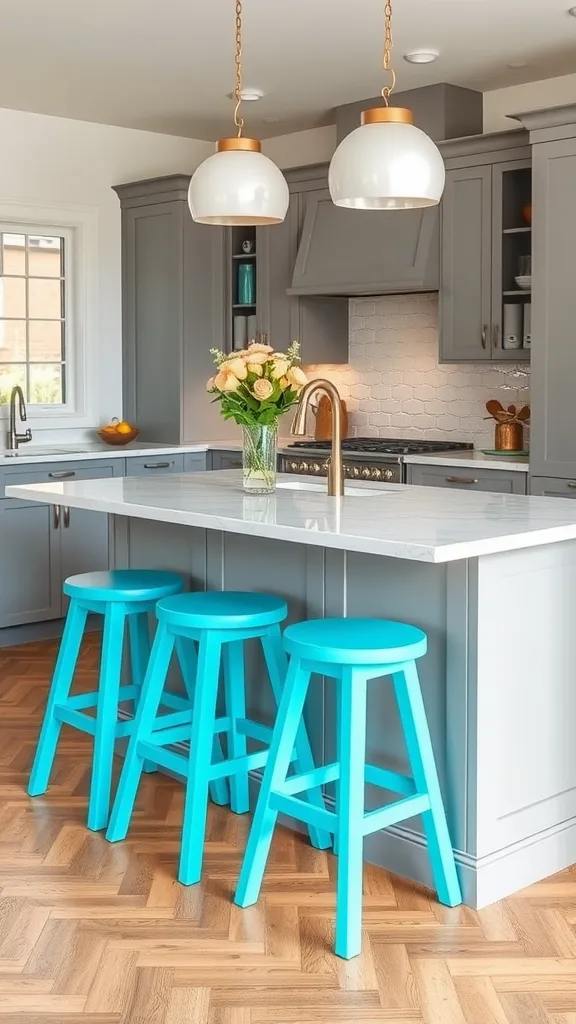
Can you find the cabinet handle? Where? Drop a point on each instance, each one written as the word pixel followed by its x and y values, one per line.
pixel 66 517
pixel 495 335
pixel 484 335
pixel 461 480
pixel 56 516
pixel 572 483
pixel 62 474
pixel 157 465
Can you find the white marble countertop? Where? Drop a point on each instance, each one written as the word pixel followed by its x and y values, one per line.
pixel 472 460
pixel 425 524
pixel 28 454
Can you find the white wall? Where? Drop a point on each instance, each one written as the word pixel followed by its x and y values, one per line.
pixel 51 160
pixel 552 92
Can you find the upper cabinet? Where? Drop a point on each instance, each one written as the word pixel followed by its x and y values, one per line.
pixel 486 243
pixel 553 424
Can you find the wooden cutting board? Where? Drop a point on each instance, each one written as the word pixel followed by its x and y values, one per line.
pixel 323 429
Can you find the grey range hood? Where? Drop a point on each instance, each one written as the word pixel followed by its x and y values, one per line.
pixel 367 252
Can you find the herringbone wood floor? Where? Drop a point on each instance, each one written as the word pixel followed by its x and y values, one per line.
pixel 102 934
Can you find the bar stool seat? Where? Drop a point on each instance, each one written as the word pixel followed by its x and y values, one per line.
pixel 120 595
pixel 208 631
pixel 351 651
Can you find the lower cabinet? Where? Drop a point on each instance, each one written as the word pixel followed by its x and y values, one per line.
pixel 553 487
pixel 196 462
pixel 227 459
pixel 473 479
pixel 40 545
pixel 147 465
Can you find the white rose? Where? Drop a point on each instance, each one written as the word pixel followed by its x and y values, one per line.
pixel 262 389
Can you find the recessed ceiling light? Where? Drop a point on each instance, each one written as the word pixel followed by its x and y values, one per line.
pixel 515 65
pixel 248 95
pixel 421 57
pixel 572 11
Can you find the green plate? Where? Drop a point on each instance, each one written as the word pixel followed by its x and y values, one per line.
pixel 490 451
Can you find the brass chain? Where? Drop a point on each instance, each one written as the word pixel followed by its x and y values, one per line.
pixel 238 121
pixel 387 90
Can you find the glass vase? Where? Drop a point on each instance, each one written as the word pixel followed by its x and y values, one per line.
pixel 259 459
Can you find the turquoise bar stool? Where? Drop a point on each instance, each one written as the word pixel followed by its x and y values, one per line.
pixel 351 651
pixel 119 595
pixel 218 623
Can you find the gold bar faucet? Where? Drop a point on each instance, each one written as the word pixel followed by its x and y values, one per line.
pixel 335 467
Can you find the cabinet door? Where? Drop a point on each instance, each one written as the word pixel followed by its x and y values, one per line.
pixel 30 561
pixel 464 479
pixel 553 428
pixel 465 291
pixel 196 462
pixel 227 460
pixel 511 191
pixel 553 487
pixel 154 465
pixel 84 538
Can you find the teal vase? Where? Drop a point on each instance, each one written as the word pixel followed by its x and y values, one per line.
pixel 246 284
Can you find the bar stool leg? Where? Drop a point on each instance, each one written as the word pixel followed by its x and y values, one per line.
pixel 106 716
pixel 139 658
pixel 352 746
pixel 423 765
pixel 186 651
pixel 235 690
pixel 59 691
pixel 277 663
pixel 143 724
pixel 283 738
pixel 201 739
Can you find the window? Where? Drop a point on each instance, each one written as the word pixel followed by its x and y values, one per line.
pixel 33 316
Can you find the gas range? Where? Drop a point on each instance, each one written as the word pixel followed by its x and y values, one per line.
pixel 365 458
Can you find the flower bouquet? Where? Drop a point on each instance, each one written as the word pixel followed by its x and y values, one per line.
pixel 255 387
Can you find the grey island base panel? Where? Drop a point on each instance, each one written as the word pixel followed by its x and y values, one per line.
pixel 491 700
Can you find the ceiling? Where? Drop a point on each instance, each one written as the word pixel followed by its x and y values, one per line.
pixel 167 66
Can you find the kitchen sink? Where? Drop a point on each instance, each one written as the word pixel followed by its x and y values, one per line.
pixel 38 450
pixel 320 488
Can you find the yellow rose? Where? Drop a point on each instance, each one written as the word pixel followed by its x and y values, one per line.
pixel 236 366
pixel 279 368
pixel 257 347
pixel 255 358
pixel 210 384
pixel 262 389
pixel 296 378
pixel 255 368
pixel 283 383
pixel 226 381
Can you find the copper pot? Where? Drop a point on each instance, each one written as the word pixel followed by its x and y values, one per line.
pixel 509 437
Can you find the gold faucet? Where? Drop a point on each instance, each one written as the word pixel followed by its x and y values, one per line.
pixel 335 467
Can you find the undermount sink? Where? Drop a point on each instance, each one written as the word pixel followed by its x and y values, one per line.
pixel 33 450
pixel 320 488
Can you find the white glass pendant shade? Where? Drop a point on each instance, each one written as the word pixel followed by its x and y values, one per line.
pixel 387 164
pixel 238 185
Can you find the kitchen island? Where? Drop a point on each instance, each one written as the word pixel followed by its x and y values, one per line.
pixel 490 577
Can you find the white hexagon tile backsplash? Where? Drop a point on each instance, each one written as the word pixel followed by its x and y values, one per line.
pixel 394 385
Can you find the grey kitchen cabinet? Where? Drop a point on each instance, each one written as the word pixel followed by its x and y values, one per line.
pixel 226 459
pixel 483 237
pixel 40 545
pixel 148 465
pixel 468 479
pixel 319 323
pixel 197 462
pixel 553 421
pixel 174 281
pixel 553 487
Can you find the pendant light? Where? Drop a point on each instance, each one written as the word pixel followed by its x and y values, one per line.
pixel 238 185
pixel 387 163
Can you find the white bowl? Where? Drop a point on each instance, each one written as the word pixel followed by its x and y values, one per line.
pixel 524 282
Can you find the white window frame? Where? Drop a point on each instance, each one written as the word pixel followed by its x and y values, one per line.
pixel 78 227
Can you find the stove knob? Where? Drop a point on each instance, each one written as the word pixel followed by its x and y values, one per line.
pixel 315 467
pixel 356 472
pixel 376 474
pixel 389 474
pixel 325 466
pixel 304 467
pixel 294 466
pixel 366 473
